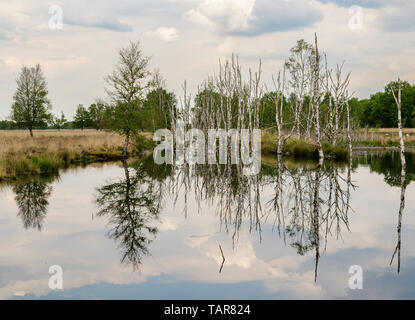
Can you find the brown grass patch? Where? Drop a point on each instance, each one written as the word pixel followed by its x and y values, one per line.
pixel 384 134
pixel 18 143
pixel 50 150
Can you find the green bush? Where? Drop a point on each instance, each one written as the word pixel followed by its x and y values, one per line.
pixel 47 163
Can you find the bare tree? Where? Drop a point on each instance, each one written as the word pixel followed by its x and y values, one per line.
pixel 299 66
pixel 398 100
pixel 279 111
pixel 316 98
pixel 339 88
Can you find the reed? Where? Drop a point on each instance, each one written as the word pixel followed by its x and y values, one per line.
pixel 50 150
pixel 301 149
pixel 382 137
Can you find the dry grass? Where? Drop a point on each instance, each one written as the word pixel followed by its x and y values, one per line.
pixel 18 143
pixel 384 134
pixel 50 150
pixel 301 149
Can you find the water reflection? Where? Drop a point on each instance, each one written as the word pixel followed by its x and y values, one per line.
pixel 309 205
pixel 401 209
pixel 31 196
pixel 297 210
pixel 399 171
pixel 389 164
pixel 131 204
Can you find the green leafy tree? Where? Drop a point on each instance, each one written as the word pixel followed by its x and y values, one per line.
pixel 413 118
pixel 81 119
pixel 380 109
pixel 126 87
pixel 6 125
pixel 31 106
pixel 60 122
pixel 157 108
pixel 97 114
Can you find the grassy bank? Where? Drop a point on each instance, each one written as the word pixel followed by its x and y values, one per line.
pixel 302 149
pixel 51 150
pixel 382 144
pixel 382 137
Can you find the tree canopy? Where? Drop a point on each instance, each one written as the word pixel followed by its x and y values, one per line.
pixel 31 106
pixel 82 119
pixel 126 88
pixel 380 109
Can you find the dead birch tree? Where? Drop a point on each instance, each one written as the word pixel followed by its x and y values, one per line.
pixel 316 98
pixel 299 67
pixel 279 110
pixel 339 88
pixel 398 100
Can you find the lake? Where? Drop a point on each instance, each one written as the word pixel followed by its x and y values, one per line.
pixel 142 231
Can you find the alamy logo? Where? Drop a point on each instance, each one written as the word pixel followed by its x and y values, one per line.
pixel 356 18
pixel 356 280
pixel 56 19
pixel 245 147
pixel 56 280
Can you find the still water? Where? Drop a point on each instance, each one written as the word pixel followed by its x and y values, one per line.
pixel 150 232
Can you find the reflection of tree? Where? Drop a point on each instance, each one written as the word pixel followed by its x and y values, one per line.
pixel 32 200
pixel 390 165
pixel 401 209
pixel 131 204
pixel 399 171
pixel 234 196
pixel 310 202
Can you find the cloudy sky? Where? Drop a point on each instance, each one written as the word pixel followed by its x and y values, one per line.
pixel 186 39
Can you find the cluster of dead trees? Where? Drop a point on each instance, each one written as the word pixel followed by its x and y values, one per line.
pixel 318 108
pixel 309 100
pixel 307 205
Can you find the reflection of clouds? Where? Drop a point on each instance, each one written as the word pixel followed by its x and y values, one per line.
pixel 242 257
pixel 297 285
pixel 374 211
pixel 168 224
pixel 242 264
pixel 189 250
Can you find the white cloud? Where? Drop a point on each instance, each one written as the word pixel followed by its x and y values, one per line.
pixel 261 29
pixel 398 18
pixel 164 34
pixel 232 15
pixel 254 17
pixel 109 23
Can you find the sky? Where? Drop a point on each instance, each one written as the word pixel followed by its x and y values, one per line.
pixel 186 39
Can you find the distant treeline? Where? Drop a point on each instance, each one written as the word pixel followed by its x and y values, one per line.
pixel 380 109
pixel 153 115
pixel 377 111
pixel 10 125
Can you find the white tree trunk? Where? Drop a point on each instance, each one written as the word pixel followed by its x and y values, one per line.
pixel 316 101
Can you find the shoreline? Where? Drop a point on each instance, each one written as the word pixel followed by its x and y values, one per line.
pixel 51 151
